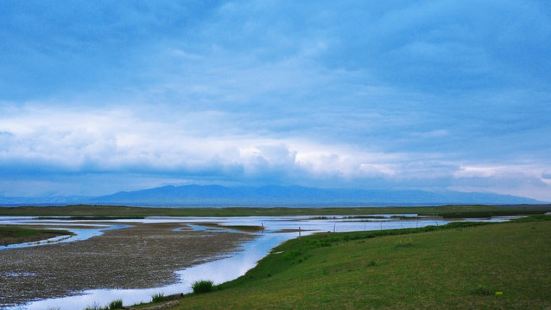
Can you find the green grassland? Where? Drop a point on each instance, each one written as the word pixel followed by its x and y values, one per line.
pixel 103 212
pixel 15 234
pixel 458 266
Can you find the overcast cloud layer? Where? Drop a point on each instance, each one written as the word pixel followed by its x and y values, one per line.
pixel 102 96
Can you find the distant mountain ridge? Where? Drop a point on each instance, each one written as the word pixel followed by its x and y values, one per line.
pixel 217 194
pixel 277 195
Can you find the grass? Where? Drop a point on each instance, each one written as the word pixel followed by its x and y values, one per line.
pixel 482 291
pixel 157 298
pixel 460 265
pixel 80 211
pixel 17 234
pixel 203 286
pixel 116 304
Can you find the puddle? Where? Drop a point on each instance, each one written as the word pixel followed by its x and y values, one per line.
pixel 18 274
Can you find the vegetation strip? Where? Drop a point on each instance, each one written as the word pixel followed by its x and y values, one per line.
pixel 96 212
pixel 18 234
pixel 245 228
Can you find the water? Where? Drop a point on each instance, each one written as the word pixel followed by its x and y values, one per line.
pixel 218 271
pixel 79 234
pixel 234 264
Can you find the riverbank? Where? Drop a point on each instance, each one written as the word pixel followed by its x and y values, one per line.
pixel 10 234
pixel 267 232
pixel 106 212
pixel 462 265
pixel 139 256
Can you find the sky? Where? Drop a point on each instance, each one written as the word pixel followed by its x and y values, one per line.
pixel 102 96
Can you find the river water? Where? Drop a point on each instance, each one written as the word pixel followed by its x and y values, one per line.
pixel 228 267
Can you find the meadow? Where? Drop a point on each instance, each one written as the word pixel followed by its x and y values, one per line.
pixel 459 265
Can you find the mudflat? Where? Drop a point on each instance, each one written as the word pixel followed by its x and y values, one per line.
pixel 15 234
pixel 143 255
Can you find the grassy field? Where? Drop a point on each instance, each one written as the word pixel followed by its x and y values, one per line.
pixel 458 266
pixel 102 212
pixel 15 234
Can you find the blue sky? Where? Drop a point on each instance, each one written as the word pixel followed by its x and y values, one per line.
pixel 102 96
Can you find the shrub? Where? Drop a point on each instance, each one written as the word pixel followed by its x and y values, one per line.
pixel 115 304
pixel 202 286
pixel 157 297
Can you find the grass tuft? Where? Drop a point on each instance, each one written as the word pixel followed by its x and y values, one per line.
pixel 95 306
pixel 116 304
pixel 157 297
pixel 482 291
pixel 203 286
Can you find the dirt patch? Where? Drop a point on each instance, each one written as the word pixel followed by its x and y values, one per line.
pixel 144 255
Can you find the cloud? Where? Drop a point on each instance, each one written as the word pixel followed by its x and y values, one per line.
pixel 513 179
pixel 120 143
pixel 118 140
pixel 404 95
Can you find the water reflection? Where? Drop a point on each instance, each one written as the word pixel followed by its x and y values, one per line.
pixel 235 264
pixel 219 271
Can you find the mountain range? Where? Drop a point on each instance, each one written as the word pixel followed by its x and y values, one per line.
pixel 205 195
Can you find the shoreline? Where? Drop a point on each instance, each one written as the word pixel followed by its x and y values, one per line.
pixel 141 256
pixel 323 257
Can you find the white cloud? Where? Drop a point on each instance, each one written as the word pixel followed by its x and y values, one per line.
pixel 486 171
pixel 119 139
pixel 436 94
pixel 513 179
pixel 209 144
